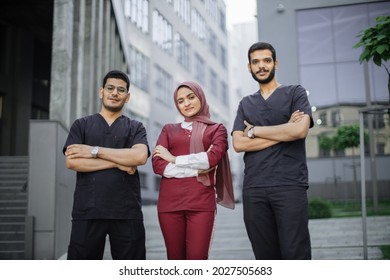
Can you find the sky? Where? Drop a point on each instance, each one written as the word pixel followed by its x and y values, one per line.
pixel 239 11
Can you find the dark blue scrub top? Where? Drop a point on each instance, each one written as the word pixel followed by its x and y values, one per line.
pixel 283 164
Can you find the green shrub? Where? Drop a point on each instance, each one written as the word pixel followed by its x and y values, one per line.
pixel 319 209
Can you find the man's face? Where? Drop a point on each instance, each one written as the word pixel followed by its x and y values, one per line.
pixel 114 95
pixel 262 66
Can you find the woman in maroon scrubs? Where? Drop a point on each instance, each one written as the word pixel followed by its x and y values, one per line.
pixel 192 159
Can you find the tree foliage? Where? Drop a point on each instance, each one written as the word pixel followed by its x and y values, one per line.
pixel 376 42
pixel 347 136
pixel 326 143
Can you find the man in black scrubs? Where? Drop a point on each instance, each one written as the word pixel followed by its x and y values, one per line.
pixel 270 127
pixel 105 150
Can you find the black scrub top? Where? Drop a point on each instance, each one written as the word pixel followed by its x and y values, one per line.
pixel 110 193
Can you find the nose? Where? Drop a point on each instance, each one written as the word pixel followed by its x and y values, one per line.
pixel 261 64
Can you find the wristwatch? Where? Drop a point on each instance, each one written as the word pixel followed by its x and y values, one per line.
pixel 251 133
pixel 95 151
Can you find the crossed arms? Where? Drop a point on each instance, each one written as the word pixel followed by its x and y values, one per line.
pixel 266 136
pixel 79 158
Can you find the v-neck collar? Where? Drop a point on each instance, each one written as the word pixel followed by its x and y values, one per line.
pixel 104 120
pixel 270 96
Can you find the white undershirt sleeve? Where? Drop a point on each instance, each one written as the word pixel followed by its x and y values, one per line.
pixel 195 161
pixel 174 171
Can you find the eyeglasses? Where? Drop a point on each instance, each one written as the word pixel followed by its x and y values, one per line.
pixel 119 90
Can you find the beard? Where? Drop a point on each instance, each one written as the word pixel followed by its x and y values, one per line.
pixel 266 80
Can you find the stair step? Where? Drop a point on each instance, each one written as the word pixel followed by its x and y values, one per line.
pixel 8 188
pixel 12 219
pixel 13 210
pixel 11 245
pixel 12 255
pixel 13 206
pixel 13 203
pixel 13 183
pixel 13 195
pixel 11 226
pixel 12 236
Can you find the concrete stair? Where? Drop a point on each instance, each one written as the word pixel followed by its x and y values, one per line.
pixel 13 206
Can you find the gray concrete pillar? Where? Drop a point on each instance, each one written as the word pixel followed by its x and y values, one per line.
pixel 60 91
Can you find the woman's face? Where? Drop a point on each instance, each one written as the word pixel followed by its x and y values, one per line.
pixel 187 102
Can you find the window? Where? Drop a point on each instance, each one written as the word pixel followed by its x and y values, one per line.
pixel 199 69
pixel 336 118
pixel 380 149
pixel 183 10
pixel 224 94
pixel 378 120
pixel 162 32
pixel 212 38
pixel 330 67
pixel 182 51
pixel 138 12
pixel 213 83
pixel 198 25
pixel 164 85
pixel 139 69
pixel 322 117
pixel 222 20
pixel 222 56
pixel 212 9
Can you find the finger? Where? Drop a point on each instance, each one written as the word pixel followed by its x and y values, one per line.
pixel 247 123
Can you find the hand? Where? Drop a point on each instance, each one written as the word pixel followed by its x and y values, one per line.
pixel 205 171
pixel 162 152
pixel 247 127
pixel 78 151
pixel 297 116
pixel 129 169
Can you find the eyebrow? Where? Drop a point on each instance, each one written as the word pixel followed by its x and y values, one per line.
pixel 190 93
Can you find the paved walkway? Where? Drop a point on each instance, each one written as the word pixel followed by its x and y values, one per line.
pixel 332 239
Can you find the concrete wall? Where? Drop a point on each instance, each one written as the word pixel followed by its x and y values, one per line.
pixel 50 187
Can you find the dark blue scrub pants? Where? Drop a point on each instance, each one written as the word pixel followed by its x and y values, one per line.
pixel 88 238
pixel 276 220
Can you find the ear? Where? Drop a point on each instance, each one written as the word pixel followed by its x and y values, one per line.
pixel 128 97
pixel 101 93
pixel 276 64
pixel 249 68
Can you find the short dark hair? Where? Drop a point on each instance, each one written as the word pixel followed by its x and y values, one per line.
pixel 116 74
pixel 261 46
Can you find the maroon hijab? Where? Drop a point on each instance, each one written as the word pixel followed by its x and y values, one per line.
pixel 223 184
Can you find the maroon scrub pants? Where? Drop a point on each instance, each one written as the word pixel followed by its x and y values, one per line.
pixel 187 234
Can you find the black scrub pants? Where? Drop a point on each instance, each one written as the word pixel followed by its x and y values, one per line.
pixel 276 220
pixel 88 238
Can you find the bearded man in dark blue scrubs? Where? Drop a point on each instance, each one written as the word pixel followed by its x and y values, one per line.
pixel 270 127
